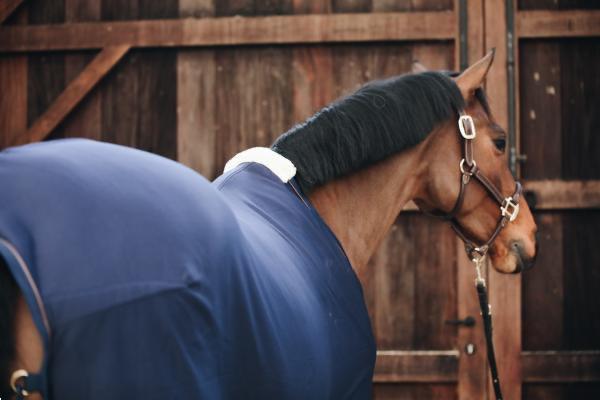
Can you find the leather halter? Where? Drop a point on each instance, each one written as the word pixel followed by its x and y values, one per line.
pixel 509 210
pixel 509 206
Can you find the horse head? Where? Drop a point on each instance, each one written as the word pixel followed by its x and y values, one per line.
pixel 489 214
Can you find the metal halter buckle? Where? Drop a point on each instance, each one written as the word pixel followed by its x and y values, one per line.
pixel 463 120
pixel 510 208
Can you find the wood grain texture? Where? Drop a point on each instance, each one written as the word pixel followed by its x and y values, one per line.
pixel 580 91
pixel 565 195
pixel 557 24
pixel 568 391
pixel 253 94
pixel 351 6
pixel 581 258
pixel 504 290
pixel 416 366
pixel 472 368
pixel 411 5
pixel 85 119
pixel 540 105
pixel 558 4
pixel 196 115
pixel 414 291
pixel 7 7
pixel 73 94
pixel 229 31
pixel 139 98
pixel 313 71
pixel 561 366
pixel 46 71
pixel 416 391
pixel 543 330
pixel 13 101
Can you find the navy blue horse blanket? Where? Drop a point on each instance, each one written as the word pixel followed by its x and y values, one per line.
pixel 146 281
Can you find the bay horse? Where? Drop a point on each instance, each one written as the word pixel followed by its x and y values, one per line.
pixel 127 275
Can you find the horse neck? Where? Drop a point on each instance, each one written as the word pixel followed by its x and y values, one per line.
pixel 361 208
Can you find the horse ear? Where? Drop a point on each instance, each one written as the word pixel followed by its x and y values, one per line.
pixel 417 67
pixel 473 77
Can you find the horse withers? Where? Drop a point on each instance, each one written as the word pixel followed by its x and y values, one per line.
pixel 127 275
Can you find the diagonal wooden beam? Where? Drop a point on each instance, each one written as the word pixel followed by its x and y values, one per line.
pixel 73 94
pixel 7 7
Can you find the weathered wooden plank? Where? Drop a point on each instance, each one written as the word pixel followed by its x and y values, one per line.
pixel 73 94
pixel 562 195
pixel 85 120
pixel 412 5
pixel 580 90
pixel 229 31
pixel 472 368
pixel 157 92
pixel 311 6
pixel 581 325
pixel 543 288
pixel 120 102
pixel 13 101
pixel 442 366
pixel 196 115
pixel 561 366
pixel 46 71
pixel 7 7
pixel 351 6
pixel 253 91
pixel 312 69
pixel 391 293
pixel 414 391
pixel 435 284
pixel 416 366
pixel 557 24
pixel 556 194
pixel 540 121
pixel 504 290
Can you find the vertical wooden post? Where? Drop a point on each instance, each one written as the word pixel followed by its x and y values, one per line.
pixel 13 91
pixel 85 121
pixel 196 115
pixel 505 290
pixel 472 369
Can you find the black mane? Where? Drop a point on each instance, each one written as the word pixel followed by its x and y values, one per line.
pixel 380 119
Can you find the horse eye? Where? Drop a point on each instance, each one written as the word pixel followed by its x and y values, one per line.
pixel 500 144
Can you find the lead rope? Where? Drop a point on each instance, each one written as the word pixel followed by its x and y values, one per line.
pixel 486 315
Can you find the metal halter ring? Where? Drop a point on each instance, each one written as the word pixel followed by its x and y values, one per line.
pixel 14 379
pixel 462 120
pixel 462 167
pixel 509 208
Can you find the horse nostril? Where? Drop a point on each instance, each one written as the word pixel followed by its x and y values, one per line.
pixel 524 262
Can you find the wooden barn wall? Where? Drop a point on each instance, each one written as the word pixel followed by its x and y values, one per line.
pixel 201 106
pixel 560 123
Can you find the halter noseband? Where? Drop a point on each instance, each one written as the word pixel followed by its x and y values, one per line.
pixel 509 206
